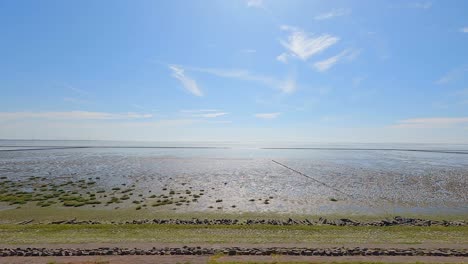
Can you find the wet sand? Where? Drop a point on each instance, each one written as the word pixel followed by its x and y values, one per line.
pixel 314 182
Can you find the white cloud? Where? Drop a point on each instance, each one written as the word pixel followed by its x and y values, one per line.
pixel 325 65
pixel 431 122
pixel 188 83
pixel 229 73
pixel 287 85
pixel 71 115
pixel 211 115
pixel 333 13
pixel 283 57
pixel 255 3
pixel 267 115
pixel 204 113
pixel 143 130
pixel 464 29
pixel 289 28
pixel 139 106
pixel 423 5
pixel 302 45
pixel 199 111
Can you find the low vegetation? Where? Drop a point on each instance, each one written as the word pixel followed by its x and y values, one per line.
pixel 45 192
pixel 84 233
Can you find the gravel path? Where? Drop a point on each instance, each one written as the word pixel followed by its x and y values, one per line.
pixel 150 245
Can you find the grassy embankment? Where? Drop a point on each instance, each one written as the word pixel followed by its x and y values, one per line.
pixel 54 213
pixel 108 233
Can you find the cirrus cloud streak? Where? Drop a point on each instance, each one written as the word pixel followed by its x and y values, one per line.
pixel 431 122
pixel 71 115
pixel 303 45
pixel 188 83
pixel 267 115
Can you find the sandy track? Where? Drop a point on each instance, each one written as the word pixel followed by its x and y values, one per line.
pixel 149 245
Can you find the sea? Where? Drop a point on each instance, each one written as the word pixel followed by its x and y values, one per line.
pixel 294 177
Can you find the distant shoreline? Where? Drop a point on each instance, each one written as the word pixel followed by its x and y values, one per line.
pixel 50 147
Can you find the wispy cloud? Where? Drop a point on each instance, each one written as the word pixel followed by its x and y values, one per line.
pixel 452 75
pixel 288 85
pixel 333 13
pixel 420 5
pixel 254 3
pixel 199 111
pixel 71 115
pixel 78 96
pixel 464 29
pixel 432 122
pixel 325 65
pixel 302 45
pixel 204 113
pixel 423 5
pixel 78 91
pixel 248 50
pixel 188 83
pixel 138 106
pixel 283 57
pixel 211 115
pixel 267 115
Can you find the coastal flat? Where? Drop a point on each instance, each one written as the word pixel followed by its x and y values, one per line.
pixel 218 181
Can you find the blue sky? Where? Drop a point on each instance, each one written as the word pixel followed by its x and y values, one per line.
pixel 239 70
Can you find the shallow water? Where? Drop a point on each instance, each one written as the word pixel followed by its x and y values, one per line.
pixel 363 181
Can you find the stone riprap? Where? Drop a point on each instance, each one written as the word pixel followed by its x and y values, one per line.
pixel 396 221
pixel 295 251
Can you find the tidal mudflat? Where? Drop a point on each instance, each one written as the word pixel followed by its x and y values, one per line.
pixel 235 180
